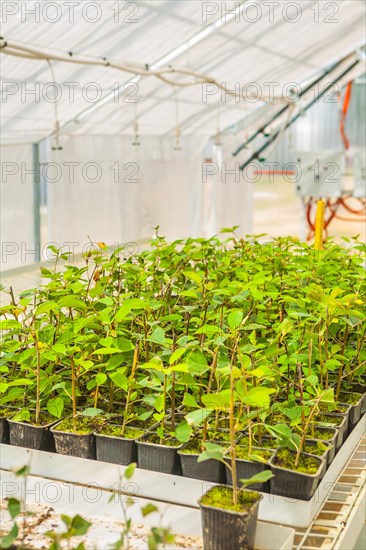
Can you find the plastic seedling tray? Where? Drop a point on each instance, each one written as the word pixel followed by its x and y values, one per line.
pixel 176 489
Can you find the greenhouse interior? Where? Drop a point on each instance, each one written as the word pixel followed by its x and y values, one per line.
pixel 183 292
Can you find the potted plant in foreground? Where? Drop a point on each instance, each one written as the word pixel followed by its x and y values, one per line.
pixel 229 514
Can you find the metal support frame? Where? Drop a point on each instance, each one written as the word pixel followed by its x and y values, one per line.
pixel 36 202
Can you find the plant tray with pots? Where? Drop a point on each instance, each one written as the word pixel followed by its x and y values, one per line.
pixel 338 421
pixel 112 447
pixel 355 401
pixel 182 490
pixel 24 433
pixel 79 442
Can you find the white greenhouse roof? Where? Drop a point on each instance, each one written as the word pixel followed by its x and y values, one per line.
pixel 239 50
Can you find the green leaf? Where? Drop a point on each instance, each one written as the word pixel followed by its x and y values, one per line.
pixel 196 277
pixel 158 336
pixel 234 319
pixel 195 418
pixel 13 507
pixel 197 362
pixel 183 431
pixel 257 397
pixel 91 411
pixel 261 477
pixel 119 379
pixel 72 302
pixel 46 307
pixel 129 471
pixel 56 406
pixel 176 355
pixel 149 509
pixel 127 306
pixel 7 541
pixel 22 472
pixel 106 351
pixel 100 378
pixel 212 452
pixel 79 525
pixel 328 396
pixel 189 401
pixel 217 400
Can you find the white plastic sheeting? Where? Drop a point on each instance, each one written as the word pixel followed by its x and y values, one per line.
pixel 130 190
pixel 17 208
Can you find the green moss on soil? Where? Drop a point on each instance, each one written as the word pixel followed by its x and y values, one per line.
pixel 242 453
pixel 266 443
pixel 6 413
pixel 350 398
pixel 194 447
pixel 166 441
pixel 84 425
pixel 318 448
pixel 328 419
pixel 114 430
pixel 21 416
pixel 218 436
pixel 333 407
pixel 222 497
pixel 286 459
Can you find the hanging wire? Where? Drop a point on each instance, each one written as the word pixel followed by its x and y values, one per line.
pixel 218 141
pixel 56 138
pixel 136 128
pixel 178 145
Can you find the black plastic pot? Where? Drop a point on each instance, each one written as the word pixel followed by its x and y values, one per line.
pixel 332 442
pixel 68 443
pixel 355 410
pixel 228 530
pixel 359 388
pixel 117 450
pixel 246 469
pixel 23 434
pixel 209 470
pixel 342 427
pixel 4 425
pixel 158 458
pixel 292 484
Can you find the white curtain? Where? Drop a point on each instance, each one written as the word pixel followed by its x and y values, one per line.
pixel 18 246
pixel 102 188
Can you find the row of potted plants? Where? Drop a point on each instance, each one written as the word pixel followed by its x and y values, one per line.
pixel 190 343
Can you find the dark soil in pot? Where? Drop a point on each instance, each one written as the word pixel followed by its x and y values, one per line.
pixel 209 470
pixel 225 526
pixel 159 455
pixel 111 447
pixel 247 466
pixel 355 401
pixel 359 387
pixel 298 482
pixel 5 413
pixel 80 443
pixel 23 431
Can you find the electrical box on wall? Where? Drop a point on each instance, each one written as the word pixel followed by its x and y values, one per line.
pixel 359 170
pixel 320 174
